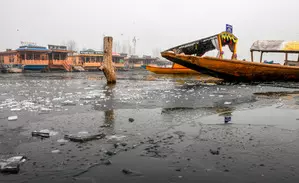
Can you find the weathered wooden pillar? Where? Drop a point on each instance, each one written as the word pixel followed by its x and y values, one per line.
pixel 108 67
pixel 261 58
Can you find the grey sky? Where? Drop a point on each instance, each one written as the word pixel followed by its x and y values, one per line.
pixel 157 23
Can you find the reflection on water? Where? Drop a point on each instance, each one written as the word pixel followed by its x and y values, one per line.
pixel 173 109
pixel 109 114
pixel 225 111
pixel 95 77
pixel 109 118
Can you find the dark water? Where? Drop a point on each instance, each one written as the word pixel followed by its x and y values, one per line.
pixel 183 115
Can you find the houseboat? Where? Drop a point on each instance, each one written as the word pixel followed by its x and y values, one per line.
pixel 59 58
pixel 8 58
pixel 33 57
pixel 136 62
pixel 30 57
pixel 119 61
pixel 91 60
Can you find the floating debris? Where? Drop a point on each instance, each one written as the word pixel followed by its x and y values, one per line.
pixel 12 165
pixel 131 120
pixel 123 144
pixel 131 172
pixel 44 133
pixel 214 152
pixel 55 151
pixel 40 134
pixel 227 119
pixel 83 137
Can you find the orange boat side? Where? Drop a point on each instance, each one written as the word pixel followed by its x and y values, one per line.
pixel 236 70
pixel 161 70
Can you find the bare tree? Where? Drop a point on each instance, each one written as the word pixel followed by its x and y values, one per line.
pixel 72 45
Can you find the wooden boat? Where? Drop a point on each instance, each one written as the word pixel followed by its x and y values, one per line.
pixel 175 69
pixel 191 56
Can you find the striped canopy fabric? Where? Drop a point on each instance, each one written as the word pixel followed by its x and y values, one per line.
pixel 201 46
pixel 275 46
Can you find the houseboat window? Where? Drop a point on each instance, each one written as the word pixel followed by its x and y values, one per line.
pixel 87 59
pixel 81 60
pixel 63 56
pixel 29 56
pixel 11 59
pixel 36 57
pixel 56 56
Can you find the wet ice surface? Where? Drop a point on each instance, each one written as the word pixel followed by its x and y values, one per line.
pixel 184 111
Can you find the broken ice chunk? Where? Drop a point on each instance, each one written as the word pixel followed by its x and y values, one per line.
pixel 15 109
pixel 84 137
pixel 227 103
pixel 11 165
pixel 68 102
pixel 12 118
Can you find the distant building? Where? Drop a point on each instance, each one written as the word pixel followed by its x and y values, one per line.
pixel 135 62
pixel 92 60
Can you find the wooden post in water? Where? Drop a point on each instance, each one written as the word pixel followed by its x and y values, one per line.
pixel 108 67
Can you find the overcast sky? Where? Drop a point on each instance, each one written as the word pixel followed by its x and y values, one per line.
pixel 155 23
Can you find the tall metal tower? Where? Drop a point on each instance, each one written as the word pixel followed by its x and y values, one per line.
pixel 134 43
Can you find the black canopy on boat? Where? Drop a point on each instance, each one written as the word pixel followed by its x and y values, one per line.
pixel 201 46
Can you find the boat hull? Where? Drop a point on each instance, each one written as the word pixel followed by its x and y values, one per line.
pixel 235 70
pixel 35 67
pixel 161 70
